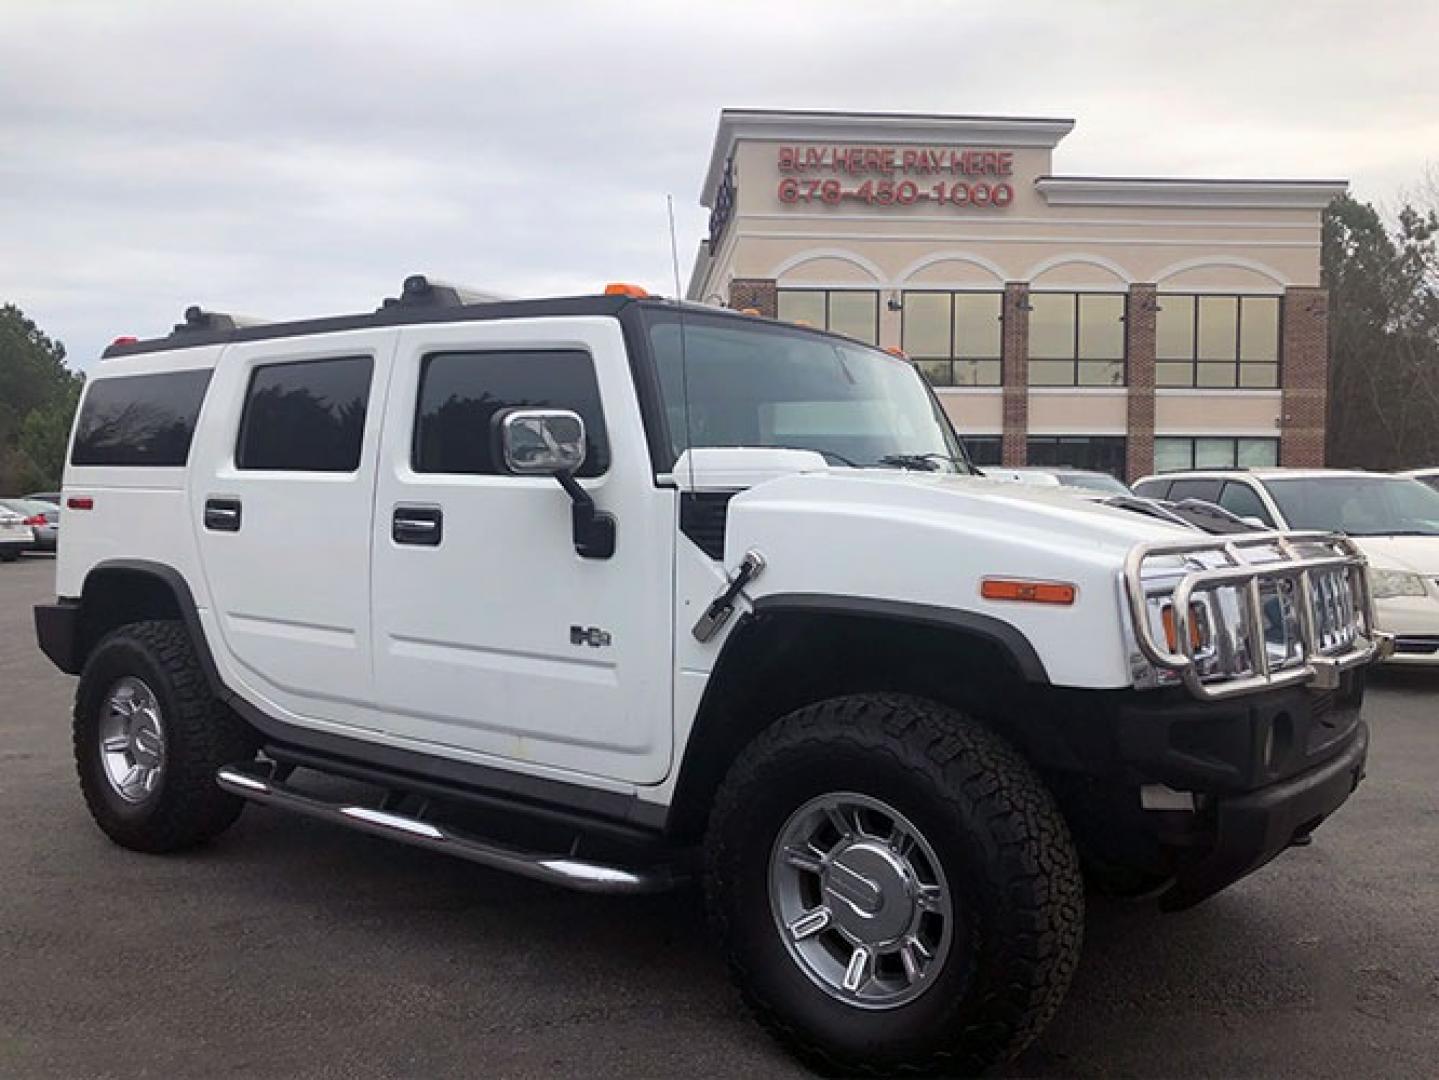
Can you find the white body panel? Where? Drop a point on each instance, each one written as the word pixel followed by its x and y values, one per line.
pixel 929 539
pixel 472 637
pixel 290 591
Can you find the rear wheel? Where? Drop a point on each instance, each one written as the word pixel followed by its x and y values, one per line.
pixel 894 888
pixel 149 737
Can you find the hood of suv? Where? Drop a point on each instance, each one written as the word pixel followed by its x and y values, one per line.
pixel 1052 516
pixel 1417 553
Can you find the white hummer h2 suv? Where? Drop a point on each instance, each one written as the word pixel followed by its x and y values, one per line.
pixel 615 593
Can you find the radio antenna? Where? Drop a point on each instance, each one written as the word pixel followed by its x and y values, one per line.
pixel 684 355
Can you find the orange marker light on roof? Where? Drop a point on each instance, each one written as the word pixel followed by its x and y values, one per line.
pixel 1028 592
pixel 624 288
pixel 749 311
pixel 895 350
pixel 125 339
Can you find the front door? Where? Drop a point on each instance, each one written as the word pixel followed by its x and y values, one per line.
pixel 492 635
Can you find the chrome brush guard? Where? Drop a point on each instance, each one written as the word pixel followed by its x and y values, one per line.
pixel 1332 612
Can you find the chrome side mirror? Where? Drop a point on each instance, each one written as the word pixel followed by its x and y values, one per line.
pixel 551 442
pixel 542 442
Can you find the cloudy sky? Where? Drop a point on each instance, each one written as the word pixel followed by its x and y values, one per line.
pixel 298 158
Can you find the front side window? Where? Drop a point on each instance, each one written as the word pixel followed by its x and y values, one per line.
pixel 763 384
pixel 954 338
pixel 144 420
pixel 461 392
pixel 1217 342
pixel 852 312
pixel 305 416
pixel 1175 453
pixel 1076 339
pixel 1358 505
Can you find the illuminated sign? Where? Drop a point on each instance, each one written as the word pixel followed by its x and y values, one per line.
pixel 895 176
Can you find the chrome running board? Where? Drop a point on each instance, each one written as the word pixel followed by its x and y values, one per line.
pixel 253 781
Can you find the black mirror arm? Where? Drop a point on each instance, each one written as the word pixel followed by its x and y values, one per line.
pixel 594 532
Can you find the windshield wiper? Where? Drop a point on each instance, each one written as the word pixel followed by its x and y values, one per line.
pixel 926 462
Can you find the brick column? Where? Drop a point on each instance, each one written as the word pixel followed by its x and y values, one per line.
pixel 1304 373
pixel 1015 354
pixel 1139 319
pixel 762 294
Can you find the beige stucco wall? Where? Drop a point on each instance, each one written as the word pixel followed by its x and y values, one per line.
pixel 1230 412
pixel 1052 246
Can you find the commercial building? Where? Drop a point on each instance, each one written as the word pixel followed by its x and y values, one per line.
pixel 1122 323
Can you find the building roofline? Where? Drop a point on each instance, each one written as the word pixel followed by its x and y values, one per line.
pixel 817 124
pixel 1285 194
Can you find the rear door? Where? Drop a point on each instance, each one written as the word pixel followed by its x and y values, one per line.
pixel 281 498
pixel 494 637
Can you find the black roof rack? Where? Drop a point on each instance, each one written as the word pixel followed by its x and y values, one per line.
pixel 417 290
pixel 200 321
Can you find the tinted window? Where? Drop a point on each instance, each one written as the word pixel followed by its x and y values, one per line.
pixel 1243 500
pixel 1208 490
pixel 1152 489
pixel 307 416
pixel 1358 505
pixel 461 392
pixel 139 419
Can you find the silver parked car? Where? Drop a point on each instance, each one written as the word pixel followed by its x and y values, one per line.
pixel 43 519
pixel 15 536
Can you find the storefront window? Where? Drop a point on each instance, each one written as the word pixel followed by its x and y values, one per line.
pixel 983 449
pixel 1217 342
pixel 1101 453
pixel 954 337
pixel 1076 339
pixel 1172 454
pixel 853 312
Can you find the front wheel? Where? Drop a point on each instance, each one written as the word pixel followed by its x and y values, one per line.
pixel 894 888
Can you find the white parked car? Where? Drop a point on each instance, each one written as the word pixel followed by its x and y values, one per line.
pixel 1058 475
pixel 1394 520
pixel 691 593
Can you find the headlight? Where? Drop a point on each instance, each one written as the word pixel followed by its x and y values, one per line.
pixel 1385 584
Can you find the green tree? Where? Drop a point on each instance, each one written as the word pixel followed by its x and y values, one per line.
pixel 38 394
pixel 1384 336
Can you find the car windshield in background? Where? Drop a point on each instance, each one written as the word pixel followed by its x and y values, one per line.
pixel 1358 505
pixel 1094 481
pixel 770 385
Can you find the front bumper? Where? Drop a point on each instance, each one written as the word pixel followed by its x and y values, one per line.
pixel 1414 622
pixel 1251 829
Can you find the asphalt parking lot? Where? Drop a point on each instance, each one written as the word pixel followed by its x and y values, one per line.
pixel 289 948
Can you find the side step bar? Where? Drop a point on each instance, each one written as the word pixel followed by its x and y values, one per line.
pixel 252 781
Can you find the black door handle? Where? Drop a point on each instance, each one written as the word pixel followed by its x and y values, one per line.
pixel 222 515
pixel 423 526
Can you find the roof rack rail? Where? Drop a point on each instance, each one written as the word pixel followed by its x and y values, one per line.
pixel 198 321
pixel 419 290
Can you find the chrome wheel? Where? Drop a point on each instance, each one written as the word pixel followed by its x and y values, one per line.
pixel 860 900
pixel 132 739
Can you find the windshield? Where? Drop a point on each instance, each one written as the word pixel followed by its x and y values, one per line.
pixel 1359 505
pixel 766 384
pixel 1093 481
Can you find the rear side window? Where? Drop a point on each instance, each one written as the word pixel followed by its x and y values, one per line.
pixel 139 419
pixel 307 416
pixel 1204 490
pixel 461 392
pixel 1152 489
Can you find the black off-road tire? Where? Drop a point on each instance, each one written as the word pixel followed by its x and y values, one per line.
pixel 202 734
pixel 1005 850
